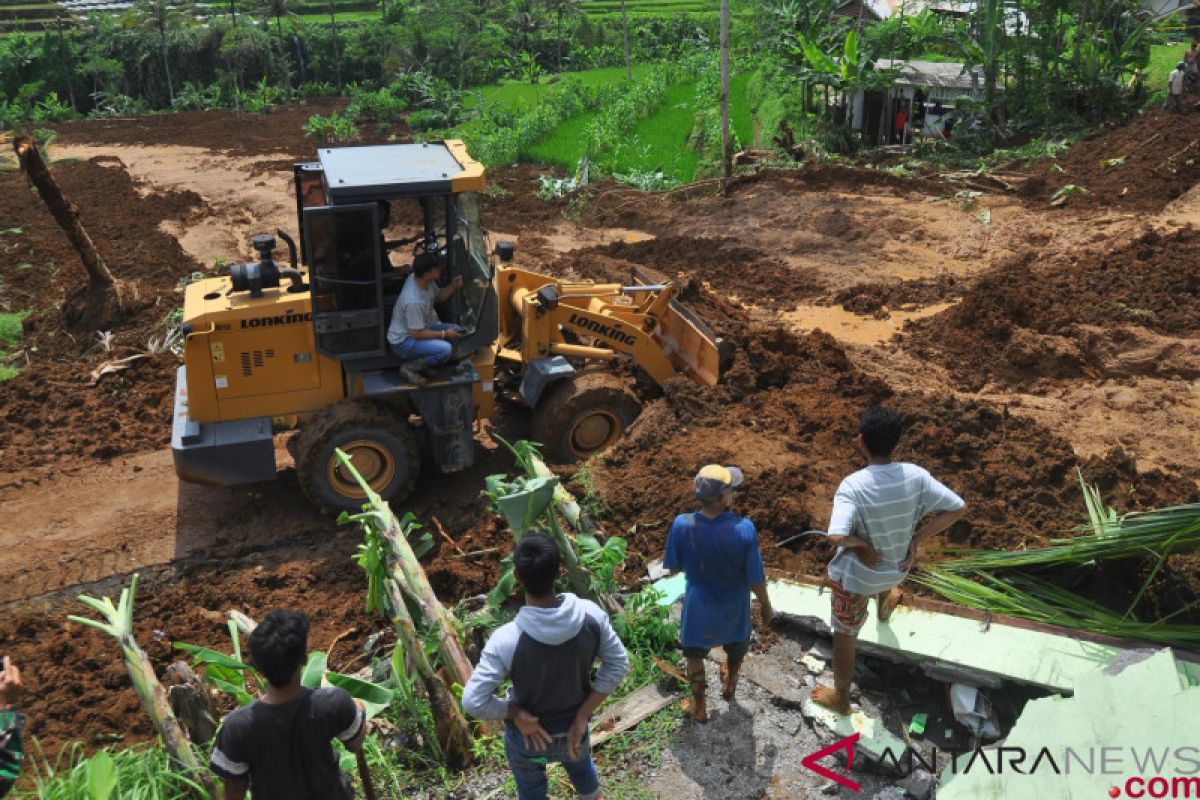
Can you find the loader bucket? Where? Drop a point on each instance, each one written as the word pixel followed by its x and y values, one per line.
pixel 689 343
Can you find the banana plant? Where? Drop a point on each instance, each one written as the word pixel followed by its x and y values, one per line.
pixel 229 674
pixel 117 621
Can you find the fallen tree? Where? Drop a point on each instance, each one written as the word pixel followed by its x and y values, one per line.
pixel 118 623
pixel 105 300
pixel 396 580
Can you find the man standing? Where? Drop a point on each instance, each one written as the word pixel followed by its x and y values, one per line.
pixel 548 652
pixel 1175 88
pixel 279 745
pixel 717 550
pixel 875 515
pixel 415 333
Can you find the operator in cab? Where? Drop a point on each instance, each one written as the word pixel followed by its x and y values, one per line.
pixel 416 334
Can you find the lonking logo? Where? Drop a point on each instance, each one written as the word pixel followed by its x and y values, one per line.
pixel 282 319
pixel 602 330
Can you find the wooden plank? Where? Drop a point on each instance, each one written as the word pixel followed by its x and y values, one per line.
pixel 624 715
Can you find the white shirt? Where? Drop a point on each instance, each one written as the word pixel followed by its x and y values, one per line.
pixel 414 309
pixel 883 504
pixel 1176 81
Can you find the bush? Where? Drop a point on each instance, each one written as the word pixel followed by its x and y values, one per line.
pixel 377 106
pixel 317 89
pixel 428 120
pixel 334 128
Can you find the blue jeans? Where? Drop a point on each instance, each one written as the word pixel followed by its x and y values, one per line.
pixel 529 766
pixel 434 351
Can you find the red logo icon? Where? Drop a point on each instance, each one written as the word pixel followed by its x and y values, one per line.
pixel 847 744
pixel 1114 792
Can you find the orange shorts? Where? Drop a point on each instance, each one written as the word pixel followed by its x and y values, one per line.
pixel 849 610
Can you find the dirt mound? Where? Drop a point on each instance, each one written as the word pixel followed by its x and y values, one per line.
pixel 51 416
pixel 1139 166
pixel 76 687
pixel 878 299
pixel 1028 319
pixel 725 265
pixel 838 178
pixel 786 413
pixel 279 131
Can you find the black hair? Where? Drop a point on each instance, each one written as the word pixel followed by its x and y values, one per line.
pixel 536 562
pixel 279 645
pixel 880 428
pixel 424 263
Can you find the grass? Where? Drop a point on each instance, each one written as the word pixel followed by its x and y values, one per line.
pixel 10 334
pixel 1163 58
pixel 515 95
pixel 658 141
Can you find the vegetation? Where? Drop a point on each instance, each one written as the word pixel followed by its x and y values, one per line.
pixel 1030 583
pixel 142 771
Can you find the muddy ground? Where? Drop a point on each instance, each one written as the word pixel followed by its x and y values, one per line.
pixel 1021 341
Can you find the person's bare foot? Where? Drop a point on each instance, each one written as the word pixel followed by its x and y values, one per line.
pixel 729 681
pixel 888 604
pixel 695 708
pixel 828 696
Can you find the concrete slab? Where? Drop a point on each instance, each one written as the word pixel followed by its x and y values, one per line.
pixel 1123 731
pixel 956 644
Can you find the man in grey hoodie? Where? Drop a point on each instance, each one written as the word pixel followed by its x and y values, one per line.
pixel 548 652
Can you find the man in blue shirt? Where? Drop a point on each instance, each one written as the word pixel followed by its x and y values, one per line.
pixel 718 552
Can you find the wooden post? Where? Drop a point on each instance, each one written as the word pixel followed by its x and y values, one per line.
pixel 104 301
pixel 726 142
pixel 625 37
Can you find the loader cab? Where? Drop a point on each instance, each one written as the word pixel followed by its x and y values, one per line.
pixel 364 213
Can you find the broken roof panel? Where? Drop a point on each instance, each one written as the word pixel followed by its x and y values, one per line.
pixel 1125 727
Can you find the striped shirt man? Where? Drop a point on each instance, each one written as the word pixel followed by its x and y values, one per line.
pixel 883 504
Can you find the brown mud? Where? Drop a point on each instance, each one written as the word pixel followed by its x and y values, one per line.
pixel 1080 305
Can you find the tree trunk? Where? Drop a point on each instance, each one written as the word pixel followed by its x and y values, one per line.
pixel 625 37
pixel 433 614
pixel 154 701
pixel 453 731
pixel 162 49
pixel 726 140
pixel 337 54
pixel 103 301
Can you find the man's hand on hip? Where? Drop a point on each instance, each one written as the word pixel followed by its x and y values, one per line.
pixel 536 737
pixel 575 736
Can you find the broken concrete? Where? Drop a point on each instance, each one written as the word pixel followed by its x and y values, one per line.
pixel 1122 730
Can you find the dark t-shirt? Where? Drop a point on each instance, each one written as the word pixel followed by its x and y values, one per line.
pixel 285 748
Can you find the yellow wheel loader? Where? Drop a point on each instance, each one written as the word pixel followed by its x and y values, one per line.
pixel 270 347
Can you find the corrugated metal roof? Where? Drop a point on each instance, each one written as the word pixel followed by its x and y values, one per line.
pixel 932 73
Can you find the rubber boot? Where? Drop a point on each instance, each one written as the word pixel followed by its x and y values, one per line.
pixel 729 677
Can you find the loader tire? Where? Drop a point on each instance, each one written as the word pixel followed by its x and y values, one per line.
pixel 583 415
pixel 382 447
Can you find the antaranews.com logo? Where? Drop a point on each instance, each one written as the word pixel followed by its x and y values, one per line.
pixel 1148 772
